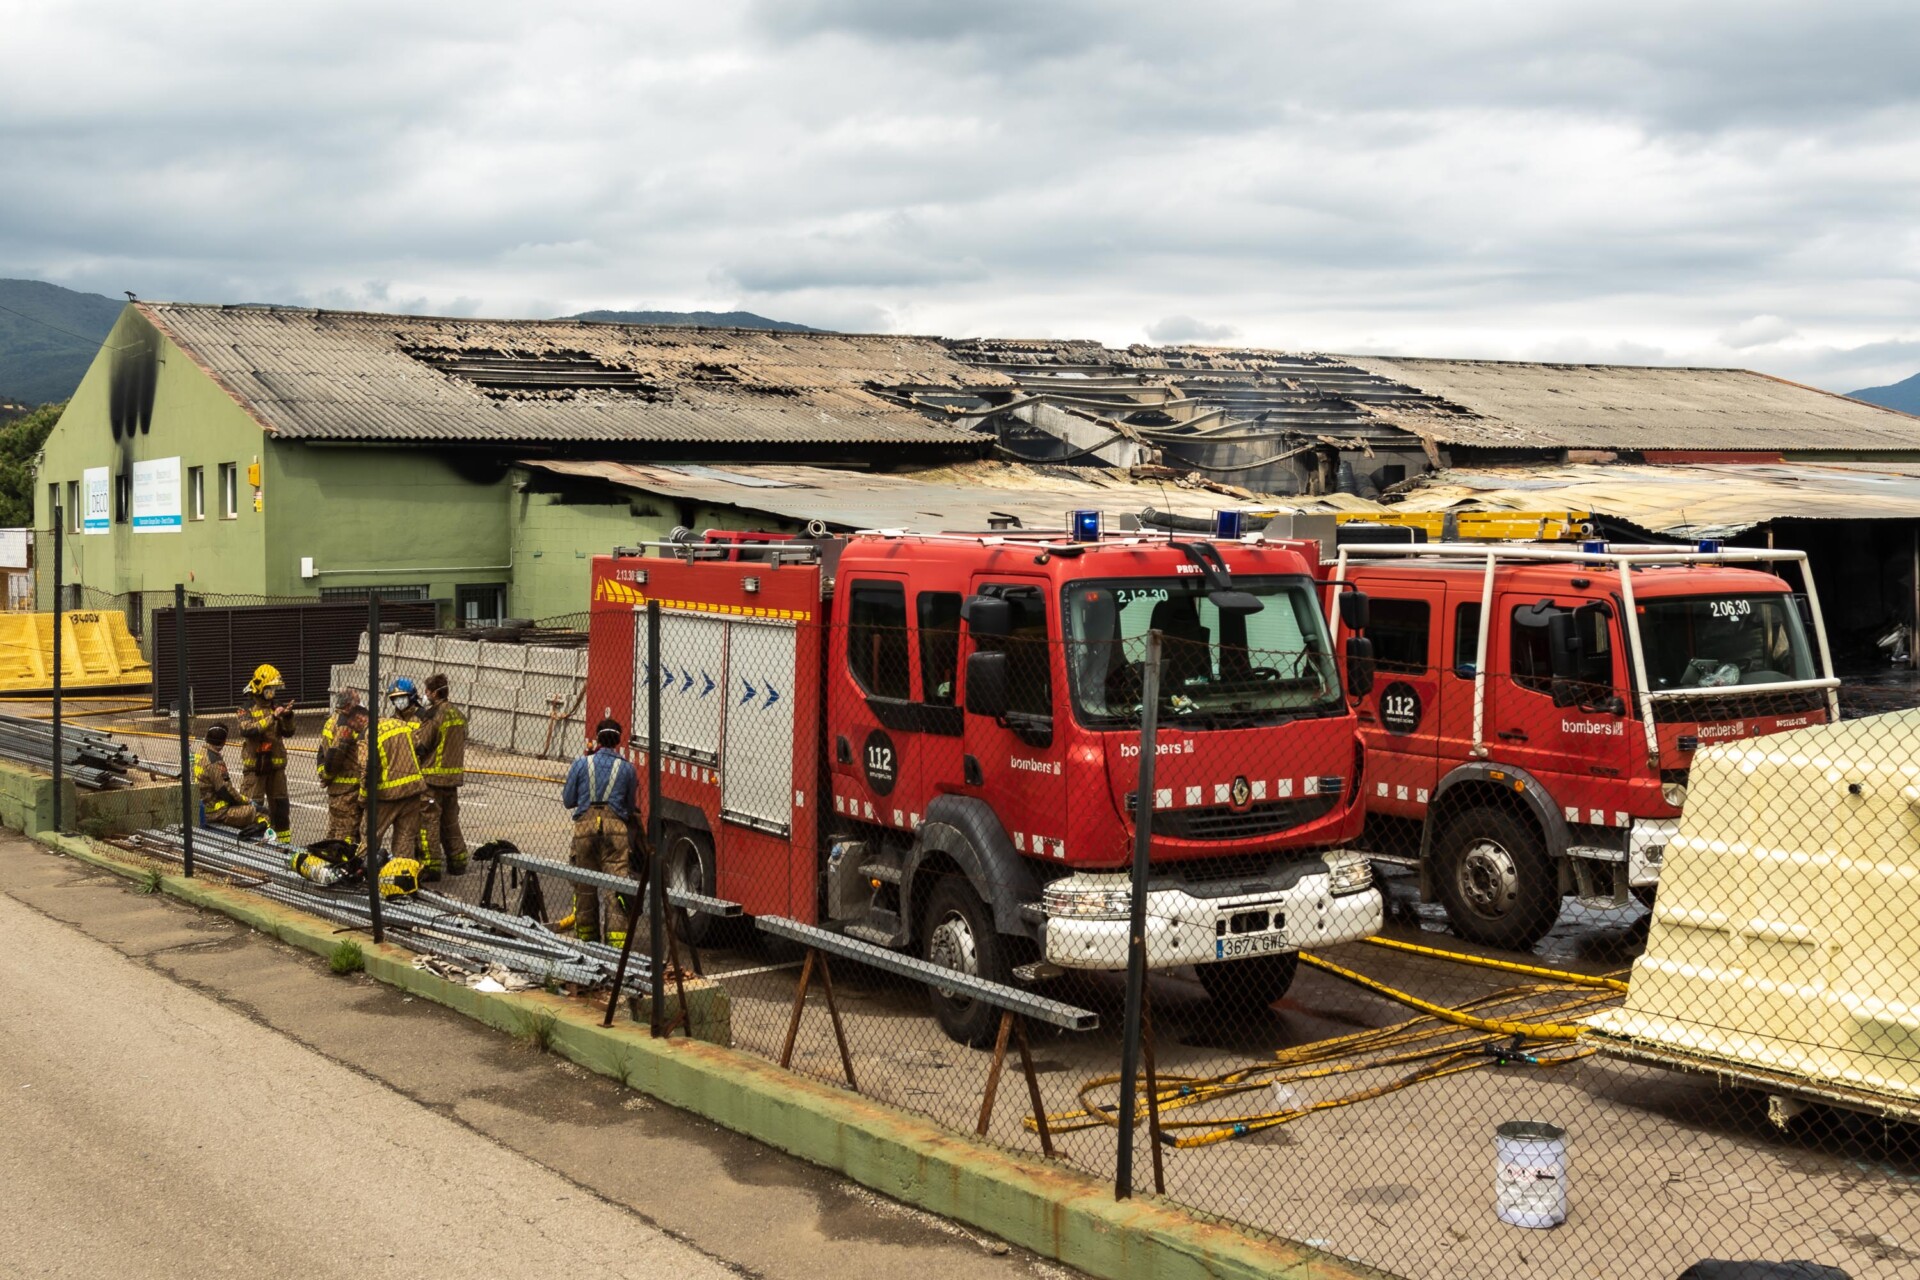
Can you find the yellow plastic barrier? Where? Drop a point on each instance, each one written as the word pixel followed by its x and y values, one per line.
pixel 97 651
pixel 1786 936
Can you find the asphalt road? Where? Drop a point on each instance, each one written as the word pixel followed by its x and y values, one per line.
pixel 180 1096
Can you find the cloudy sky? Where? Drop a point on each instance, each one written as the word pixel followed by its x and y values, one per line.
pixel 1640 180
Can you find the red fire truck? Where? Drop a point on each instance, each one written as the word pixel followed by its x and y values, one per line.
pixel 1536 709
pixel 932 742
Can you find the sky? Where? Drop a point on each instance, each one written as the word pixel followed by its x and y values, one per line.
pixel 1642 182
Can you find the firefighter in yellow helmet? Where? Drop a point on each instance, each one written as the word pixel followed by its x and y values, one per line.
pixel 266 722
pixel 221 804
pixel 396 770
pixel 342 767
pixel 442 742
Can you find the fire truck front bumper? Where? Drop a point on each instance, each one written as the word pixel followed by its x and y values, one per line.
pixel 1304 903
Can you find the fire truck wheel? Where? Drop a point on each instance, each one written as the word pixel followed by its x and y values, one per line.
pixel 1251 985
pixel 689 869
pixel 957 933
pixel 1496 880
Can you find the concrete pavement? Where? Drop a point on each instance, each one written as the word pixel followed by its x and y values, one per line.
pixel 179 1096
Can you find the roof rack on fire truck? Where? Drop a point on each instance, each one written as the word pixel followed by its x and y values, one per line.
pixel 1623 560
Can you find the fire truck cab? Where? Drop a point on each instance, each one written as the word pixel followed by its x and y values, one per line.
pixel 932 742
pixel 1537 707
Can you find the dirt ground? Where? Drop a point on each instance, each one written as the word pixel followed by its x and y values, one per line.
pixel 1664 1168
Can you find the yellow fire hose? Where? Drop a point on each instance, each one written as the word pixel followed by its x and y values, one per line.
pixel 1505 966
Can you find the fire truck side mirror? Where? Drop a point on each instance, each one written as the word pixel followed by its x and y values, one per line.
pixel 987 690
pixel 1359 666
pixel 987 616
pixel 1355 610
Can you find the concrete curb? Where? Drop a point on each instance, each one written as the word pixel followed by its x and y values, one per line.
pixel 1057 1212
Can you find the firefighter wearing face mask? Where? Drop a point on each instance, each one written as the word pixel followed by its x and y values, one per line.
pixel 266 722
pixel 443 755
pixel 396 771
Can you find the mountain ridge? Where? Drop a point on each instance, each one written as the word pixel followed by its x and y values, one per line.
pixel 1903 395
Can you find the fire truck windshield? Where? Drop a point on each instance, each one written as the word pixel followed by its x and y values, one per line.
pixel 1713 642
pixel 1219 669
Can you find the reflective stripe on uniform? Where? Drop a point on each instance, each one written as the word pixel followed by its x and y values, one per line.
pixel 388 732
pixel 449 719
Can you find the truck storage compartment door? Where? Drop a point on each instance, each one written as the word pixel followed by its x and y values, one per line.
pixel 757 780
pixel 692 678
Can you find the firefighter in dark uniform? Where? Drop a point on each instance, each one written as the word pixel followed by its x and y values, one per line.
pixel 221 804
pixel 342 767
pixel 398 779
pixel 266 722
pixel 600 795
pixel 443 759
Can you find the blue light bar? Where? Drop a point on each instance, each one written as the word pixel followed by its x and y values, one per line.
pixel 1085 526
pixel 1709 545
pixel 1595 548
pixel 1227 524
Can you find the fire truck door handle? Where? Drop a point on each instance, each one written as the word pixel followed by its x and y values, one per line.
pixel 842 749
pixel 1513 735
pixel 1367 717
pixel 970 770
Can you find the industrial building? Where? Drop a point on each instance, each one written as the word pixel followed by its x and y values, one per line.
pixel 283 453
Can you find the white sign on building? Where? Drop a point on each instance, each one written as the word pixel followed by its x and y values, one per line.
pixel 95 501
pixel 156 496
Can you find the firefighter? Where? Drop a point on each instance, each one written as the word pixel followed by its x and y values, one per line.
pixel 399 782
pixel 342 767
pixel 221 804
pixel 443 758
pixel 403 700
pixel 266 721
pixel 600 795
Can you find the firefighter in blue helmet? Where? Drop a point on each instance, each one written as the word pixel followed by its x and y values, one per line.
pixel 600 796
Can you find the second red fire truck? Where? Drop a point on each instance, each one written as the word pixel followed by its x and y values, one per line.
pixel 932 742
pixel 1536 708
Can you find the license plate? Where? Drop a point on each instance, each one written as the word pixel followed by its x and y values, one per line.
pixel 1258 944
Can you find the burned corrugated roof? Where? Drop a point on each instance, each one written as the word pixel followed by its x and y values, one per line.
pixel 1509 404
pixel 1484 404
pixel 347 375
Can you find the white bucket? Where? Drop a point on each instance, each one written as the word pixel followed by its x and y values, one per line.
pixel 1530 1173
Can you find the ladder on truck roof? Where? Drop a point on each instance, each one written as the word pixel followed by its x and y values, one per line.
pixel 1620 560
pixel 1452 526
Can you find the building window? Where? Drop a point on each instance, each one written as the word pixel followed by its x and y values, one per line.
pixel 196 493
pixel 478 604
pixel 123 497
pixel 229 490
pixel 74 514
pixel 1399 631
pixel 877 638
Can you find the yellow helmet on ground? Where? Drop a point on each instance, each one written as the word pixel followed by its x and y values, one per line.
pixel 399 877
pixel 266 678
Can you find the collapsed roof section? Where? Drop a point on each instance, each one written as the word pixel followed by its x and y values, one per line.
pixel 1289 423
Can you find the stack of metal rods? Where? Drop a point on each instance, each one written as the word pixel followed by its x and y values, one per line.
pixel 430 923
pixel 93 759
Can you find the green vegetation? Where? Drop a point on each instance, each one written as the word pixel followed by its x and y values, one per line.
pixel 48 337
pixel 536 1030
pixel 20 440
pixel 347 958
pixel 148 881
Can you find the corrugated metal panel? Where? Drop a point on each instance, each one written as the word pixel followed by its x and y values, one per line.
pixel 225 644
pixel 1699 500
pixel 330 375
pixel 962 496
pixel 1586 406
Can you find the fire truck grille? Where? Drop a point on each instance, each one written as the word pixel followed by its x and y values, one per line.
pixel 1219 822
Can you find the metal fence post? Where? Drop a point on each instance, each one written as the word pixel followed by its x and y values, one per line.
pixel 187 815
pixel 371 778
pixel 59 590
pixel 656 880
pixel 1137 916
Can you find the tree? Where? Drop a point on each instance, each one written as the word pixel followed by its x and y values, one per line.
pixel 20 441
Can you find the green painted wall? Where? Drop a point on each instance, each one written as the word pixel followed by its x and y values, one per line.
pixel 557 534
pixel 194 419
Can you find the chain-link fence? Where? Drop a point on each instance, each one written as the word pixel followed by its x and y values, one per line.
pixel 1514 971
